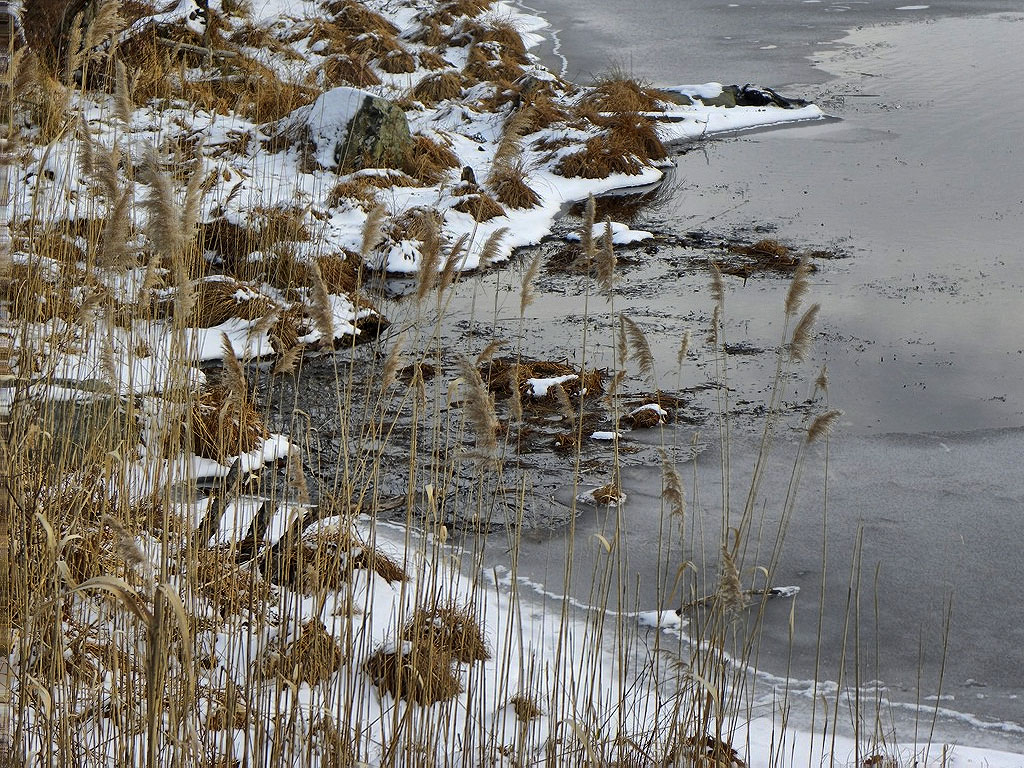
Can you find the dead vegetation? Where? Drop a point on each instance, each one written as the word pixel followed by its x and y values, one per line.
pixel 500 374
pixel 763 256
pixel 312 658
pixel 222 424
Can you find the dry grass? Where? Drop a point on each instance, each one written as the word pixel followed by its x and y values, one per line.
pixel 499 374
pixel 429 161
pixel 619 93
pixel 508 181
pixel 356 19
pixel 434 88
pixel 491 63
pixel 219 299
pixel 451 631
pixel 313 657
pixel 340 69
pixel 432 60
pixel 601 157
pixel 222 426
pixel 480 205
pixel 397 62
pixel 420 674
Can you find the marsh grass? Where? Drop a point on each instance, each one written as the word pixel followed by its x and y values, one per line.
pixel 148 619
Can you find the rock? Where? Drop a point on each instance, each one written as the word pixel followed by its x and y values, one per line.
pixel 346 129
pixel 753 96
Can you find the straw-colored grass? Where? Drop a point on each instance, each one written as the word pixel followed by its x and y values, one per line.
pixel 480 205
pixel 434 88
pixel 419 673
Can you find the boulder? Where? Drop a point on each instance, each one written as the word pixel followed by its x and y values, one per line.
pixel 346 129
pixel 752 96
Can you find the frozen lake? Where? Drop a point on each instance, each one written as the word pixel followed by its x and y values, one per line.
pixel 920 184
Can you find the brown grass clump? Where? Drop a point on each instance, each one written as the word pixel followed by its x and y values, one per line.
pixel 428 161
pixel 446 13
pixel 600 158
pixel 432 60
pixel 356 19
pixel 500 372
pixel 31 298
pixel 707 752
pixel 643 418
pixel 219 299
pixel 223 426
pixel 312 657
pixel 609 494
pixel 340 68
pixel 525 707
pixel 634 133
pixel 418 223
pixel 329 560
pixel 397 62
pixel 418 673
pixel 480 205
pixel 374 45
pixel 763 256
pixel 619 93
pixel 434 88
pixel 231 588
pixel 360 190
pixel 233 242
pixel 430 32
pixel 507 36
pixel 449 630
pixel 490 62
pixel 508 180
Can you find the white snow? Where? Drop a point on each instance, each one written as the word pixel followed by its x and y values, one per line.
pixel 621 233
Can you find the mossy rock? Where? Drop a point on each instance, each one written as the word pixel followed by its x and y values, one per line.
pixel 378 137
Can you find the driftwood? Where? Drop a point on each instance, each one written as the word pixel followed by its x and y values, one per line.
pixel 209 52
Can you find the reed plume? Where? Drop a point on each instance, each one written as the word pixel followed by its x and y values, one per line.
pixel 235 387
pixel 717 285
pixel 123 107
pixel 821 383
pixel 803 333
pixel 641 347
pixel 798 287
pixel 822 425
pixel 430 261
pixel 673 490
pixel 164 216
pixel 587 231
pixel 730 592
pixel 490 350
pixel 372 230
pixel 390 370
pixel 492 246
pixel 684 347
pixel 526 295
pixel 453 263
pixel 606 261
pixel 323 313
pixel 479 408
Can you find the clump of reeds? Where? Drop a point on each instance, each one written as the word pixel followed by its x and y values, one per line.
pixel 417 672
pixel 618 92
pixel 449 629
pixel 224 424
pixel 313 657
pixel 341 68
pixel 601 157
pixel 480 205
pixel 429 161
pixel 438 87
